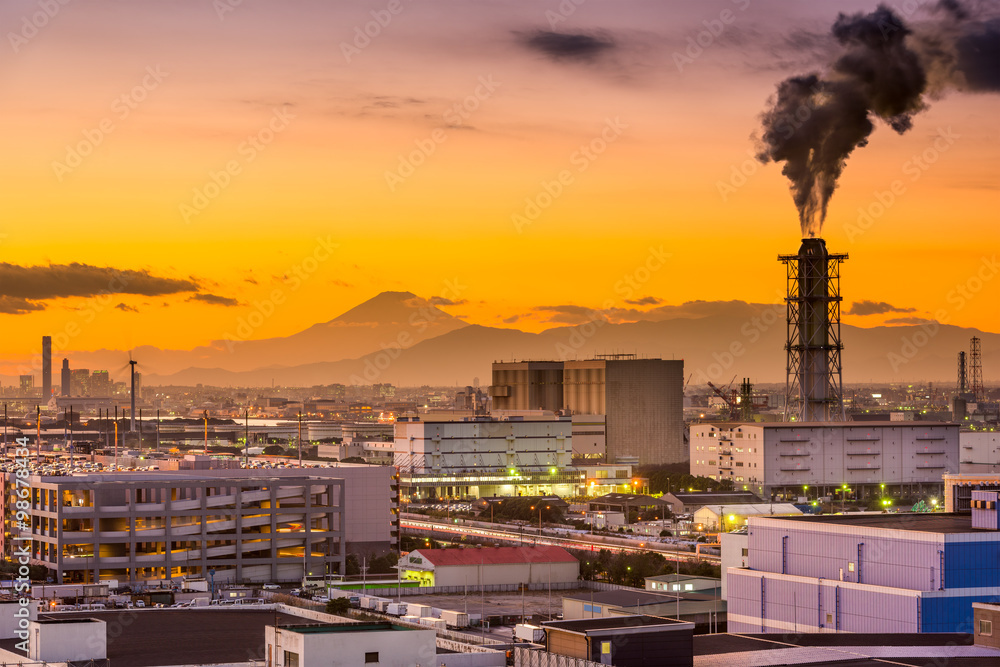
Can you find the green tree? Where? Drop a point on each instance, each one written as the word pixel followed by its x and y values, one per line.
pixel 273 450
pixel 338 606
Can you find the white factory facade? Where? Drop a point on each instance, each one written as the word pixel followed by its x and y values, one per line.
pixel 794 459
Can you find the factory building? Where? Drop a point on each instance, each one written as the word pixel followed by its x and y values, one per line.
pixel 497 566
pixel 480 456
pixel 980 451
pixel 641 400
pixel 871 573
pixel 235 525
pixel 792 459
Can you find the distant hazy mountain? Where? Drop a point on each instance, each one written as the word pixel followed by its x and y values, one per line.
pixel 391 319
pixel 724 339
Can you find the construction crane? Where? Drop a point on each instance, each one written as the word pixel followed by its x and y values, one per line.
pixel 728 397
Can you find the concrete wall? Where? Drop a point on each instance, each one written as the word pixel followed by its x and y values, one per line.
pixel 395 648
pixel 515 573
pixel 645 410
pixel 65 640
pixel 766 602
pixel 735 553
pixel 979 451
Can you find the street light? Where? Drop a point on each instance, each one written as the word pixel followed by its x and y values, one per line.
pixel 540 516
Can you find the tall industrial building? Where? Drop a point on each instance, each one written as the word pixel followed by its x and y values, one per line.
pixel 46 367
pixel 67 378
pixel 641 399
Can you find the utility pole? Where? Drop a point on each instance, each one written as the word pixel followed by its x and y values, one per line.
pixel 246 439
pixel 157 430
pixel 205 413
pixel 38 434
pixel 116 436
pixel 300 440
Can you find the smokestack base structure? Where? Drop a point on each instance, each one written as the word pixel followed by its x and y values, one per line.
pixel 814 384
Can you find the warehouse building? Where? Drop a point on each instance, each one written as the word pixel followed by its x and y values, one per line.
pixel 791 459
pixel 917 572
pixel 497 566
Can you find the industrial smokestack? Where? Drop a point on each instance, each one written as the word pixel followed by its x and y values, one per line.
pixel 884 70
pixel 814 384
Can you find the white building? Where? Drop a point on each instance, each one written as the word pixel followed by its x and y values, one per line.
pixel 979 451
pixel 731 517
pixel 491 566
pixel 735 548
pixel 350 645
pixel 483 445
pixel 795 459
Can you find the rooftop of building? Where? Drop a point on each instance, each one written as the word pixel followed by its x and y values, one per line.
pixel 630 498
pixel 158 637
pixel 352 628
pixel 725 425
pixel 925 522
pixel 755 508
pixel 639 598
pixel 841 649
pixel 616 623
pixel 494 555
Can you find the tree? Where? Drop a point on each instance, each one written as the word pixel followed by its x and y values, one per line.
pixel 354 459
pixel 338 606
pixel 273 450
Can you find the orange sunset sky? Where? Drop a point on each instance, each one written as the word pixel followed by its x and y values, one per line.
pixel 200 79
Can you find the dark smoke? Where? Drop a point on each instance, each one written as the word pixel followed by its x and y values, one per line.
pixel 885 72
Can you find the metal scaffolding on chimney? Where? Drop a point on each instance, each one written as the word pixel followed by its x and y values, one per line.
pixel 976 370
pixel 814 382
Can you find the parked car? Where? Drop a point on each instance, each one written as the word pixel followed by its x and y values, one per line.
pixel 270 587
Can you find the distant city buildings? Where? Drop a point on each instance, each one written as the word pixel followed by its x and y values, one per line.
pixel 46 368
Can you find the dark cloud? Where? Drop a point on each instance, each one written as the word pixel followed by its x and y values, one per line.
pixel 567 46
pixel 644 301
pixel 12 305
pixel 875 308
pixel 909 320
pixel 511 319
pixel 56 281
pixel 214 300
pixel 124 307
pixel 441 301
pixel 250 280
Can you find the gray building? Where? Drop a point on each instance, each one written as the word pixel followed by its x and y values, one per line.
pixel 234 525
pixel 642 400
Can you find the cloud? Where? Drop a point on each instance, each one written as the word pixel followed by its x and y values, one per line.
pixel 580 47
pixel 645 301
pixel 511 319
pixel 127 308
pixel 67 280
pixel 214 300
pixel 441 301
pixel 875 308
pixel 12 305
pixel 23 287
pixel 909 320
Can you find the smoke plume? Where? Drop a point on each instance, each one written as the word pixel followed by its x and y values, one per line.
pixel 886 71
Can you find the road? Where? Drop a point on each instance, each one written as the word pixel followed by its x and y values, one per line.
pixel 432 528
